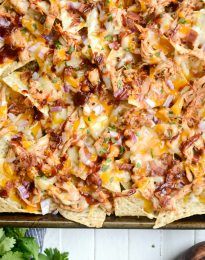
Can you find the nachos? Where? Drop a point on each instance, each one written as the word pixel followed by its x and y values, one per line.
pixel 102 108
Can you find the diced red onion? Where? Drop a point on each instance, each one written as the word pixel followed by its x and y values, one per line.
pixel 4 22
pixel 12 117
pixel 56 109
pixel 22 124
pixel 133 137
pixel 113 134
pixel 170 84
pixel 202 126
pixel 74 5
pixel 119 141
pixel 23 192
pixel 111 45
pixel 150 102
pixel 118 92
pixel 114 45
pixel 85 156
pixel 121 94
pixel 98 109
pixel 45 206
pixel 155 119
pixel 26 184
pixel 66 88
pixel 34 47
pixel 42 52
pixel 48 37
pixel 35 75
pixel 168 101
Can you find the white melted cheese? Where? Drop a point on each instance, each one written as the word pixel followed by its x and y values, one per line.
pixel 93 25
pixel 199 27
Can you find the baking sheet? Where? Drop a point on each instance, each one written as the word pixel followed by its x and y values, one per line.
pixel 56 221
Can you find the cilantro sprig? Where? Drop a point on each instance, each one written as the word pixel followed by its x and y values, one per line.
pixel 15 246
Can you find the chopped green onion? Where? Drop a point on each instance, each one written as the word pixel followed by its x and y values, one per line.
pixel 182 20
pixel 104 167
pixel 139 165
pixel 71 49
pixel 57 44
pixel 108 37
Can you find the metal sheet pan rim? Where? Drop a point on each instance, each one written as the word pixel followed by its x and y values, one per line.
pixel 56 221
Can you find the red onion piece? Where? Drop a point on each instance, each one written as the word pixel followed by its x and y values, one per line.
pixel 202 126
pixel 73 5
pixel 150 102
pixel 45 206
pixel 85 156
pixel 113 134
pixel 168 101
pixel 34 47
pixel 56 109
pixel 121 94
pixel 170 84
pixel 114 45
pixel 66 88
pixel 133 137
pixel 23 192
pixel 119 141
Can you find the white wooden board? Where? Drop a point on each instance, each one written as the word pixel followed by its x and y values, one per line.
pixel 110 244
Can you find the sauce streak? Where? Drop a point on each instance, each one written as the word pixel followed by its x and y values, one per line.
pixel 80 98
pixel 6 26
pixel 8 52
pixel 37 115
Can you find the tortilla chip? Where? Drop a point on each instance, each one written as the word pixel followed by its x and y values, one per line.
pixel 14 81
pixel 9 67
pixel 7 205
pixel 4 146
pixel 183 209
pixel 91 217
pixel 130 206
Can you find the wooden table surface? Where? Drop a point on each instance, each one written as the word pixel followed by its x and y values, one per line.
pixel 122 244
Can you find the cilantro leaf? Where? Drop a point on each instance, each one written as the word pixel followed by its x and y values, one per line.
pixel 13 256
pixel 15 246
pixel 29 247
pixel 53 254
pixel 15 232
pixel 7 244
